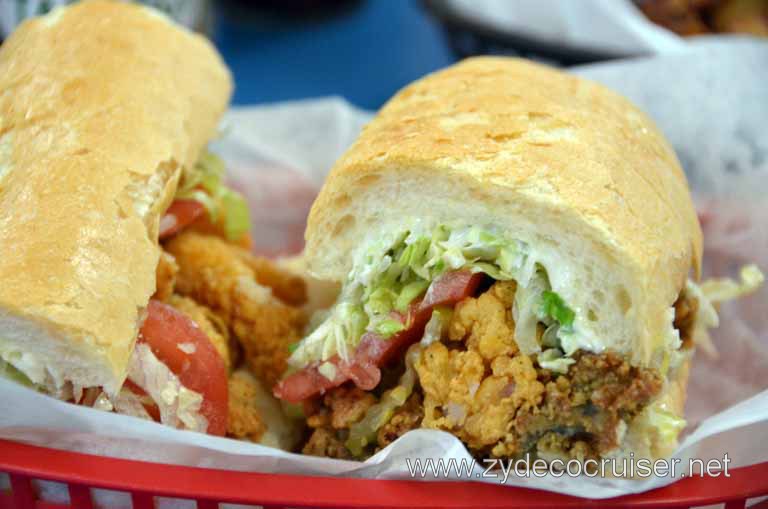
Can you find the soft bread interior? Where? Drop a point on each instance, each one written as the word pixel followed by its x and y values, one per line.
pixel 102 107
pixel 593 276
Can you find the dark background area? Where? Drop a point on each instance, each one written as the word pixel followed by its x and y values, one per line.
pixel 361 50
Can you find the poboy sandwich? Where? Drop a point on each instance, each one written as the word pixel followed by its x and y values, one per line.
pixel 518 252
pixel 126 284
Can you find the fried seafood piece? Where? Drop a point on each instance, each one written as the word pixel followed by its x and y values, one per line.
pixel 214 273
pixel 285 285
pixel 324 441
pixel 245 419
pixel 165 276
pixel 501 403
pixel 348 405
pixel 476 384
pixel 340 409
pixel 589 405
pixel 211 324
pixel 475 403
pixel 255 414
pixel 485 323
pixel 405 419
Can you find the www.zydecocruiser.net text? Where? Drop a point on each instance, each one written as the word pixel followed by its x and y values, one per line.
pixel 502 470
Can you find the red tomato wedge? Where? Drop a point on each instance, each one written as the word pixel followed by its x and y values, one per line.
pixel 202 370
pixel 373 352
pixel 179 215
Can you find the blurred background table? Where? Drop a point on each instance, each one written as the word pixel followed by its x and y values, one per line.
pixel 365 50
pixel 361 50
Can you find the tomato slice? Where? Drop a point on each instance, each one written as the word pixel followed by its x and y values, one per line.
pixel 179 215
pixel 200 368
pixel 373 351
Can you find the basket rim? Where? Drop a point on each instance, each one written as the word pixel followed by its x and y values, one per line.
pixel 298 490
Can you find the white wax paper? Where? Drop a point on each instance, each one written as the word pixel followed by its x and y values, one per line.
pixel 614 26
pixel 712 102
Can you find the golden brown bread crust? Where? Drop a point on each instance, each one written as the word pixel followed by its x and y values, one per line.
pixel 102 105
pixel 486 108
pixel 498 138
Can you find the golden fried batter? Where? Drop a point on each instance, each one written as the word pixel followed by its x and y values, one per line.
pixel 286 286
pixel 405 419
pixel 476 403
pixel 486 322
pixel 348 405
pixel 588 404
pixel 324 442
pixel 500 403
pixel 477 385
pixel 210 323
pixel 165 274
pixel 245 420
pixel 212 272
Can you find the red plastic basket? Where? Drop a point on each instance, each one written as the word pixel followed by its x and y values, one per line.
pixel 208 487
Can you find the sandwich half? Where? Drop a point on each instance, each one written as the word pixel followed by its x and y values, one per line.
pixel 515 247
pixel 125 282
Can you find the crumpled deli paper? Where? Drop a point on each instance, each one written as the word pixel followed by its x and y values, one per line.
pixel 712 103
pixel 614 26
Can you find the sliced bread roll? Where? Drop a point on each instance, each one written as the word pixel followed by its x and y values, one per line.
pixel 102 106
pixel 565 166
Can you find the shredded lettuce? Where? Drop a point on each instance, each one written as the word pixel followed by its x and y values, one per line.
pixel 237 219
pixel 437 326
pixel 526 310
pixel 205 183
pixel 723 289
pixel 717 290
pixel 328 370
pixel 338 334
pixel 553 360
pixel 179 406
pixel 128 403
pixel 9 372
pixel 667 424
pixel 554 307
pixel 388 327
pixel 394 271
pixel 364 431
pixel 409 293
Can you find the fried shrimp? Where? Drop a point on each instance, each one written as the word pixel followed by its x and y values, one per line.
pixel 486 322
pixel 245 419
pixel 213 272
pixel 499 402
pixel 285 285
pixel 165 274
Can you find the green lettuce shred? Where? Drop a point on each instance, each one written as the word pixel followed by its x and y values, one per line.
pixel 395 271
pixel 389 327
pixel 667 424
pixel 552 305
pixel 725 289
pixel 553 360
pixel 205 183
pixel 364 431
pixel 8 371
